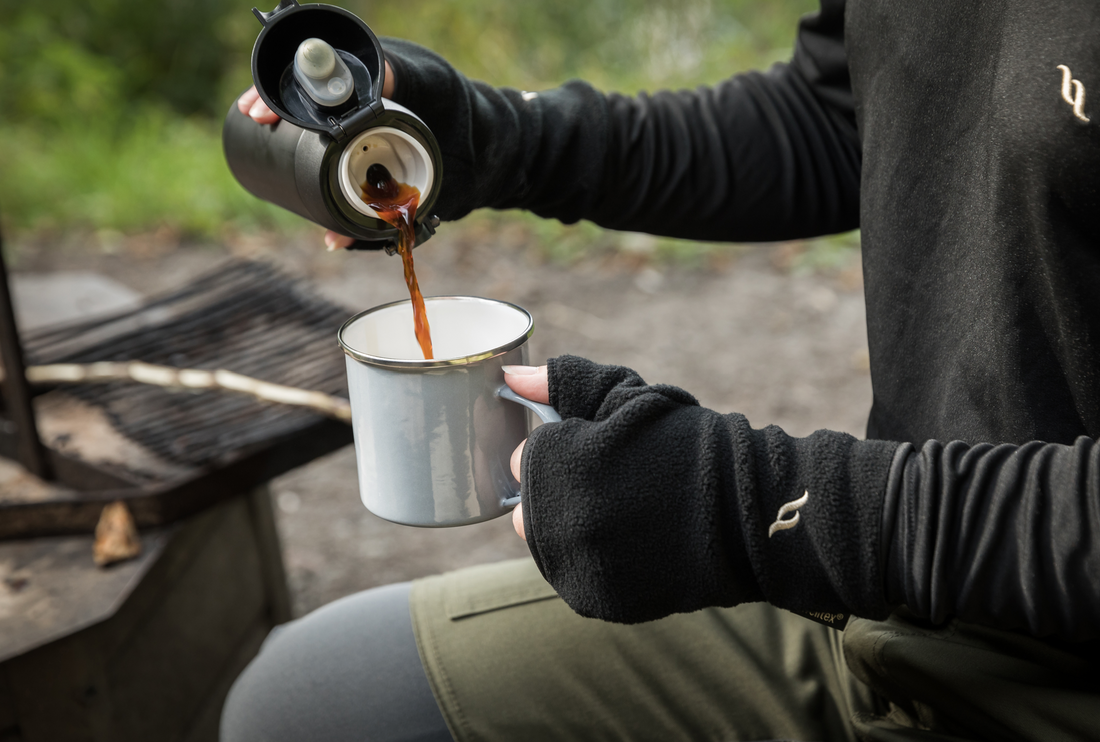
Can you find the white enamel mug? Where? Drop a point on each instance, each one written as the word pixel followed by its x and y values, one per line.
pixel 434 438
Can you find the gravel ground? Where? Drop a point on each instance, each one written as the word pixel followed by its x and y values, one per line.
pixel 745 334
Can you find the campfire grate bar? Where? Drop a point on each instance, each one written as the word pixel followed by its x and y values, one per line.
pixel 245 317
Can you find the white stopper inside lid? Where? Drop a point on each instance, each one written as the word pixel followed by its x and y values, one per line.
pixel 316 58
pixel 321 73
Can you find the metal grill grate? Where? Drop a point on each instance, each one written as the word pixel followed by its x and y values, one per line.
pixel 245 317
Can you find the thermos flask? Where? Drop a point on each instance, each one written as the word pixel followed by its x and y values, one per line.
pixel 321 69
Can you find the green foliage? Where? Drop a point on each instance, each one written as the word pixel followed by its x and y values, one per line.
pixel 624 45
pixel 158 170
pixel 110 110
pixel 54 79
pixel 110 113
pixel 131 52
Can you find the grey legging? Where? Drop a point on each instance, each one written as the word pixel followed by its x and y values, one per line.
pixel 348 672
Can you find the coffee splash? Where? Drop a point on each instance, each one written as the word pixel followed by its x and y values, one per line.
pixel 395 203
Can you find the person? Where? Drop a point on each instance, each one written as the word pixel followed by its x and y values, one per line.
pixel 695 578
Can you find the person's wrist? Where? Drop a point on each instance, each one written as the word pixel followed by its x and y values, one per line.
pixel 396 87
pixel 389 87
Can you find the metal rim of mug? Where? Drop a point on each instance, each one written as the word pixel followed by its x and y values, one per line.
pixel 442 362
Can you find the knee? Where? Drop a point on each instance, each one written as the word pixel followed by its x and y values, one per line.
pixel 262 705
pixel 342 673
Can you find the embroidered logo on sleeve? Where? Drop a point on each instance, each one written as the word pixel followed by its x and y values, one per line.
pixel 791 507
pixel 1073 92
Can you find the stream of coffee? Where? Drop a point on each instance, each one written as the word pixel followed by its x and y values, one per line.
pixel 395 203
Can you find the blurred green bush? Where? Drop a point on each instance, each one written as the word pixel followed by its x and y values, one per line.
pixel 110 110
pixel 66 58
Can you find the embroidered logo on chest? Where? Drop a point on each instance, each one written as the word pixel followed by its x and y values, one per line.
pixel 1073 92
pixel 782 524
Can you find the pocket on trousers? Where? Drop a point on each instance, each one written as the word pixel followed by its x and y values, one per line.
pixel 493 587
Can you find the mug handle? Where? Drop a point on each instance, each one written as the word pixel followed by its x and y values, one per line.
pixel 545 412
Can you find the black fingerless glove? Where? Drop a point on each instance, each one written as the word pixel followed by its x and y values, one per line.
pixel 641 503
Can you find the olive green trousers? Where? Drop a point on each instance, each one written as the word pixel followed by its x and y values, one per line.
pixel 508 660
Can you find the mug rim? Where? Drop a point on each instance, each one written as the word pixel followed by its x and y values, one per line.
pixel 385 362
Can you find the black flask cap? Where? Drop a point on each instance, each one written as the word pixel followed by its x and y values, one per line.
pixel 284 29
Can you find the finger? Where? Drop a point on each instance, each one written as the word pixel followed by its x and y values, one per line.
pixel 390 83
pixel 247 99
pixel 334 241
pixel 517 457
pixel 517 514
pixel 261 114
pixel 528 381
pixel 517 521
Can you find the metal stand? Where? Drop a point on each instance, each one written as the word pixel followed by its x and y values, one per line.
pixel 17 393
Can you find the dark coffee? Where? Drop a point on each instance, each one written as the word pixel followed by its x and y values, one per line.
pixel 395 203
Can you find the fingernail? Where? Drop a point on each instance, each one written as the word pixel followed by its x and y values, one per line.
pixel 520 370
pixel 330 243
pixel 257 108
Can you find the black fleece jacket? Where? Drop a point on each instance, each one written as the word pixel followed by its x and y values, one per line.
pixel 958 135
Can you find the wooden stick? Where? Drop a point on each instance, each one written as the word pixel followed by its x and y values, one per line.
pixel 189 378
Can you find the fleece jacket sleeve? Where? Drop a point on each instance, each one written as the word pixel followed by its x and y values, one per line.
pixel 641 503
pixel 1000 535
pixel 760 156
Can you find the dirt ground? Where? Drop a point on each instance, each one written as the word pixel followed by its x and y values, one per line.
pixel 746 334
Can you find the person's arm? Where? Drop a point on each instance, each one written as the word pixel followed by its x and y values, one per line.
pixel 761 156
pixel 641 503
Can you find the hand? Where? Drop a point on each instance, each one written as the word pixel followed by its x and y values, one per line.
pixel 642 503
pixel 251 104
pixel 529 382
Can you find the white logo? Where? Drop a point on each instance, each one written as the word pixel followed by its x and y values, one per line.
pixel 793 505
pixel 1077 100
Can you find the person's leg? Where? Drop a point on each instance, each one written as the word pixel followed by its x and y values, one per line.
pixel 508 660
pixel 348 671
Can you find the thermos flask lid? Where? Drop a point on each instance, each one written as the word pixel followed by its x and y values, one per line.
pixel 319 67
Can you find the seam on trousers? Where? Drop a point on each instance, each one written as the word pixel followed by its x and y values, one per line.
pixel 943 634
pixel 441 687
pixel 878 651
pixel 457 609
